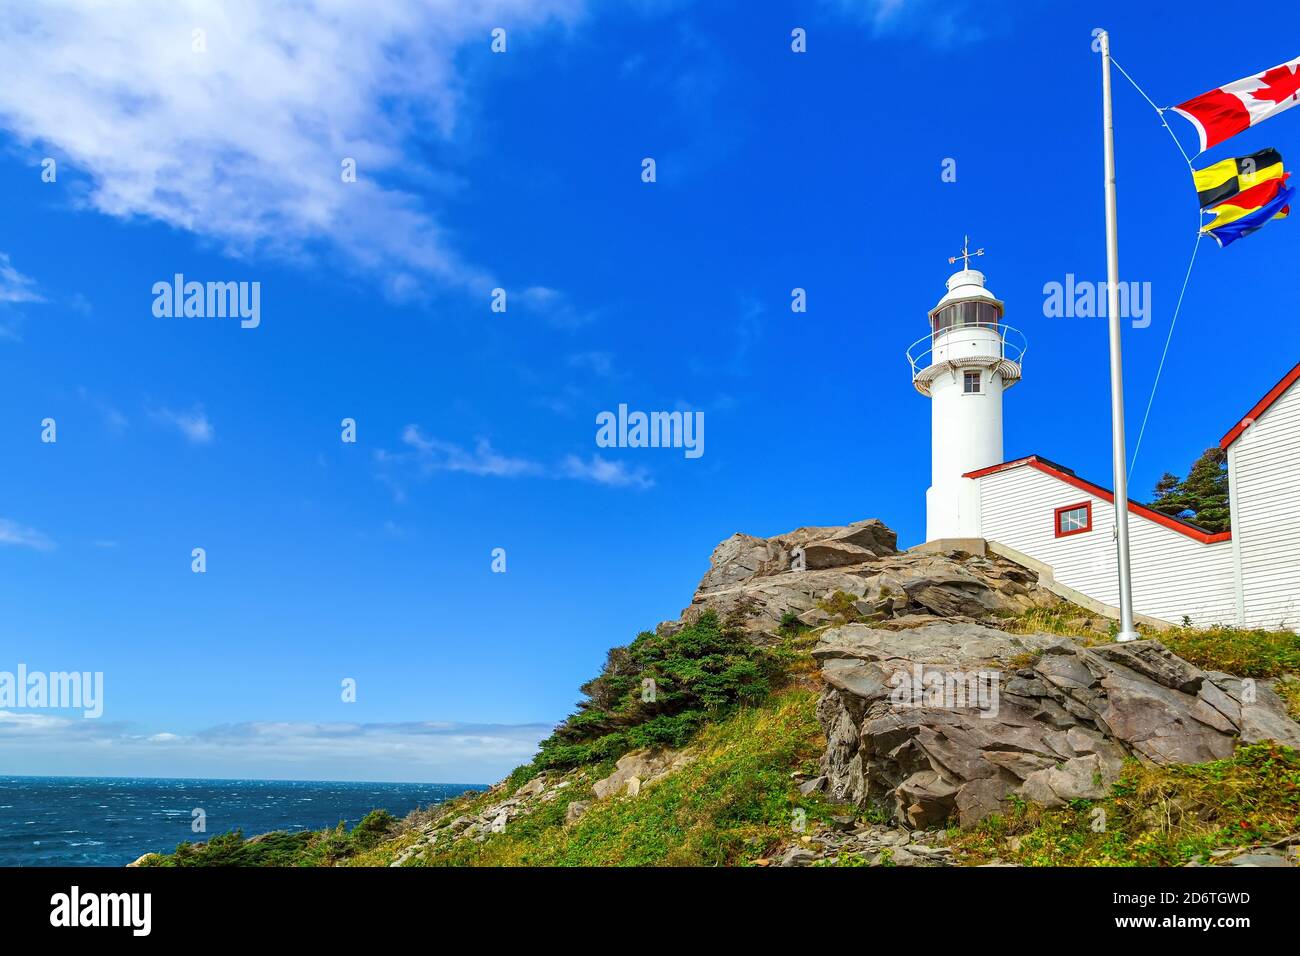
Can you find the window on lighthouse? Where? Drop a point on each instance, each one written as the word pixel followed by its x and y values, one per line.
pixel 971 385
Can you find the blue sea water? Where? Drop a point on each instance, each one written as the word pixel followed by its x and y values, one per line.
pixel 109 821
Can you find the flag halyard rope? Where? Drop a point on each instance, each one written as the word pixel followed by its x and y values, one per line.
pixel 1169 338
pixel 1160 111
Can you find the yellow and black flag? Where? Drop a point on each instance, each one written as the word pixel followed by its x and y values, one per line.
pixel 1226 179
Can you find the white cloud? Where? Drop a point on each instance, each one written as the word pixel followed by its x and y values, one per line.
pixel 427 750
pixel 426 455
pixel 435 455
pixel 21 536
pixel 194 425
pixel 605 472
pixel 242 143
pixel 14 286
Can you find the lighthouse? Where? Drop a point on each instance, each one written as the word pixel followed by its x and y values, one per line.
pixel 963 365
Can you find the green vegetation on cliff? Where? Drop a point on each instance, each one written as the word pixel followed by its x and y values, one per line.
pixel 733 802
pixel 746 714
pixel 659 691
pixel 305 848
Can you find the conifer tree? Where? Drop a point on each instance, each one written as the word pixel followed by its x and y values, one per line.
pixel 1202 497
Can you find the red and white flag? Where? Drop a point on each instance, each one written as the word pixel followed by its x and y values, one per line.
pixel 1230 109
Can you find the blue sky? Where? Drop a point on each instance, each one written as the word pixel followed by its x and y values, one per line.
pixel 522 170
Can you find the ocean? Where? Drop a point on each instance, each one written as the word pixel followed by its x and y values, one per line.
pixel 110 821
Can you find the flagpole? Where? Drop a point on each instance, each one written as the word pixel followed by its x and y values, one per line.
pixel 1119 452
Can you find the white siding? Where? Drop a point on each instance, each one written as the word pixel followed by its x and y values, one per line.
pixel 1173 575
pixel 1267 520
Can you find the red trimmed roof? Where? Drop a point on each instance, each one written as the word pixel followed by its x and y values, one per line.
pixel 1070 478
pixel 1252 416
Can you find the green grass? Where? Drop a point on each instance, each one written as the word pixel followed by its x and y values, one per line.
pixel 1239 651
pixel 732 803
pixel 1243 653
pixel 1066 620
pixel 1155 816
pixel 840 606
pixel 1289 690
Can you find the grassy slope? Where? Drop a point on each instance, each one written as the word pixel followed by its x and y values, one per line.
pixel 735 801
pixel 1155 816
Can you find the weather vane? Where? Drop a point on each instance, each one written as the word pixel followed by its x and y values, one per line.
pixel 966 254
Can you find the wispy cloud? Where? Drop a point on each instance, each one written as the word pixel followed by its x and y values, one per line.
pixel 429 750
pixel 194 424
pixel 605 472
pixel 432 455
pixel 554 308
pixel 14 286
pixel 238 134
pixel 941 22
pixel 597 362
pixel 425 455
pixel 15 289
pixel 114 420
pixel 22 536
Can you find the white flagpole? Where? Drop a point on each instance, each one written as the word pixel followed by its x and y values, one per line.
pixel 1119 452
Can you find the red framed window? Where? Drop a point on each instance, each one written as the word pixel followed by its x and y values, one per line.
pixel 1073 519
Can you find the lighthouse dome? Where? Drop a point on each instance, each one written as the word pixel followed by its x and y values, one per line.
pixel 966 284
pixel 967 302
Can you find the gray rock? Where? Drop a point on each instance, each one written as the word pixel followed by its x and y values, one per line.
pixel 635 770
pixel 798 856
pixel 1059 732
pixel 532 788
pixel 576 809
pixel 812 786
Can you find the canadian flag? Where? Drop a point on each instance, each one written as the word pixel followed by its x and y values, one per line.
pixel 1230 109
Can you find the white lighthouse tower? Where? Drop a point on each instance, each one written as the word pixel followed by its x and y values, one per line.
pixel 963 365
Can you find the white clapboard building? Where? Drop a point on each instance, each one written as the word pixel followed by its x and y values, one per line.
pixel 1043 515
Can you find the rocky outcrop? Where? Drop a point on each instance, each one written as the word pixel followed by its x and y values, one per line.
pixel 945 721
pixel 634 770
pixel 764 579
